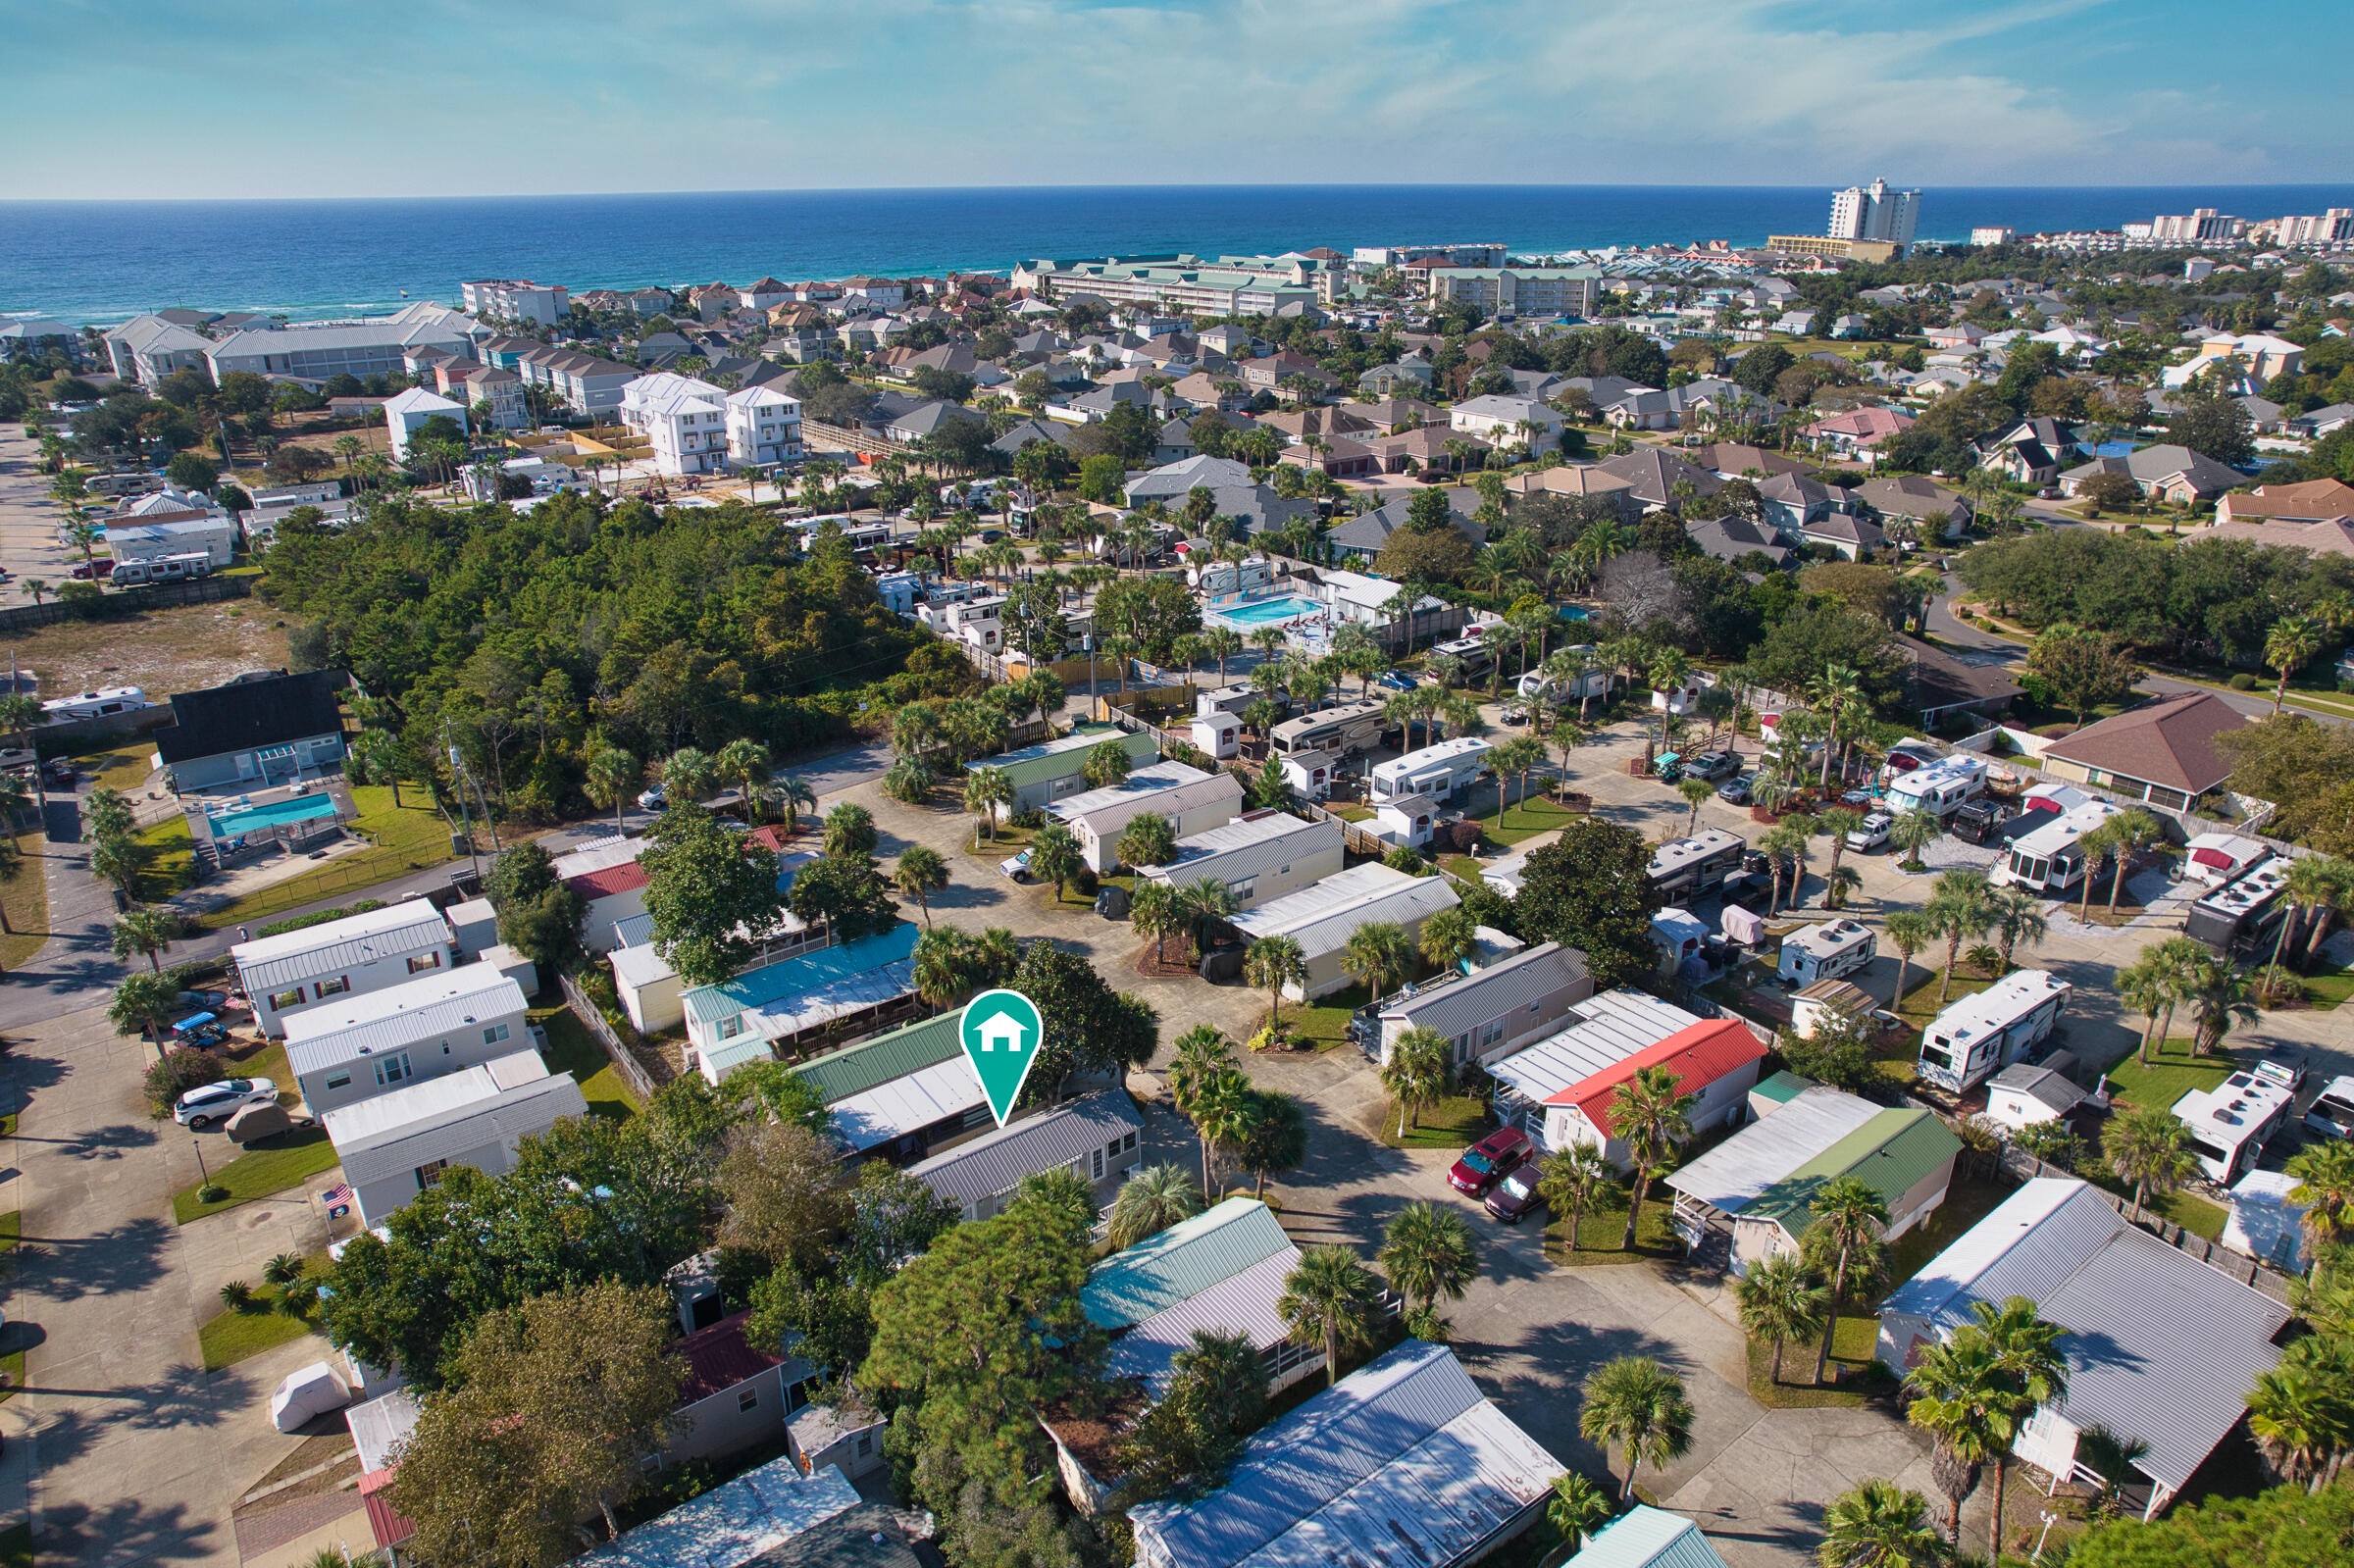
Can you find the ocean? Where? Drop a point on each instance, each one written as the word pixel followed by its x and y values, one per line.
pixel 103 260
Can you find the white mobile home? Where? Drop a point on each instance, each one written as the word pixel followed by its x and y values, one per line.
pixel 1490 1012
pixel 1322 918
pixel 397 1145
pixel 347 957
pixel 1191 800
pixel 1941 788
pixel 1258 857
pixel 1833 950
pixel 2231 1124
pixel 2048 860
pixel 358 1047
pixel 1978 1036
pixel 1095 1137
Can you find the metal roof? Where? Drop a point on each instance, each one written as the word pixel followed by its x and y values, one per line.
pixel 735 1523
pixel 1243 1303
pixel 1781 1087
pixel 1523 980
pixel 1697 1056
pixel 781 990
pixel 1403 1461
pixel 444 1119
pixel 1181 1262
pixel 434 1005
pixel 1891 1153
pixel 2160 1346
pixel 2054 1090
pixel 1322 917
pixel 1131 792
pixel 1647 1537
pixel 1066 754
pixel 855 1069
pixel 1241 848
pixel 996 1161
pixel 409 926
pixel 1607 1029
pixel 1730 1176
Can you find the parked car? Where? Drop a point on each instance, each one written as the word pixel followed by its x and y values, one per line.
pixel 1490 1160
pixel 204 1001
pixel 1859 800
pixel 1395 681
pixel 58 772
pixel 653 799
pixel 1734 791
pixel 1713 765
pixel 1015 866
pixel 1515 1195
pixel 1871 832
pixel 90 569
pixel 207 1103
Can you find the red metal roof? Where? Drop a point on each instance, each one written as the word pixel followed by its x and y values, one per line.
pixel 1698 1055
pixel 390 1528
pixel 720 1357
pixel 592 886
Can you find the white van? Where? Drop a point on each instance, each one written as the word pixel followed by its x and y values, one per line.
pixel 1833 950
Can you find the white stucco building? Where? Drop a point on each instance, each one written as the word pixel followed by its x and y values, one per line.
pixel 764 428
pixel 684 420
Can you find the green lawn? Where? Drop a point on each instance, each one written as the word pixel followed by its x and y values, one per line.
pixel 2171 1074
pixel 2326 989
pixel 411 837
pixel 1324 1021
pixel 1601 1230
pixel 25 895
pixel 571 1049
pixel 174 866
pixel 1008 840
pixel 1455 1122
pixel 1350 813
pixel 270 1165
pixel 1920 1004
pixel 235 1333
pixel 1851 1362
pixel 117 769
pixel 1525 819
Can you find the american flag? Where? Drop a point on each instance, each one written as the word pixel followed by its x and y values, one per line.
pixel 335 1196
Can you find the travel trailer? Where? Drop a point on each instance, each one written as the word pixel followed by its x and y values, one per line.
pixel 1939 788
pixel 2244 914
pixel 1833 950
pixel 1336 732
pixel 1976 1036
pixel 1682 869
pixel 2231 1124
pixel 2049 860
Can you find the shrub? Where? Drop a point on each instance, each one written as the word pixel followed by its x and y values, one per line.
pixel 1032 820
pixel 1405 858
pixel 298 1299
pixel 283 1270
pixel 2243 681
pixel 212 1193
pixel 236 1295
pixel 182 1068
pixel 1085 883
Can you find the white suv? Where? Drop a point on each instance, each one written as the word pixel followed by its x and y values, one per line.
pixel 207 1103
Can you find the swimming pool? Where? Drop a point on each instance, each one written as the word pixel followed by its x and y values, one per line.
pixel 1260 612
pixel 247 819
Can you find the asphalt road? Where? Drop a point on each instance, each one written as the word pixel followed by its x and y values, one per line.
pixel 28 519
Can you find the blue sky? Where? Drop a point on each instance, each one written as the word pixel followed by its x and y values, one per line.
pixel 145 98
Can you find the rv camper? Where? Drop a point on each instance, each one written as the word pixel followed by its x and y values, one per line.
pixel 1683 869
pixel 2049 860
pixel 1833 950
pixel 2245 915
pixel 1978 1036
pixel 1336 732
pixel 1939 788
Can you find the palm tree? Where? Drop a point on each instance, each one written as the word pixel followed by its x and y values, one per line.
pixel 2325 1173
pixel 1054 856
pixel 919 874
pixel 1578 1508
pixel 1913 832
pixel 1650 1111
pixel 1907 931
pixel 2300 1413
pixel 1224 1111
pixel 2134 832
pixel 146 933
pixel 2292 642
pixel 1849 1217
pixel 1206 901
pixel 1639 1406
pixel 1379 955
pixel 1157 911
pixel 1203 1056
pixel 1696 792
pixel 2151 1149
pixel 1779 1302
pixel 1960 1395
pixel 2310 887
pixel 2111 1458
pixel 794 794
pixel 2146 987
pixel 2218 993
pixel 745 762
pixel 1149 1202
pixel 1272 963
pixel 611 779
pixel 2092 848
pixel 1836 823
pixel 944 967
pixel 1879 1524
pixel 2015 916
pixel 1519 757
pixel 1960 909
pixel 1427 1252
pixel 1575 1180
pixel 2026 1348
pixel 1274 1137
pixel 909 781
pixel 1416 1073
pixel 1330 1299
pixel 985 790
pixel 1450 936
pixel 1782 846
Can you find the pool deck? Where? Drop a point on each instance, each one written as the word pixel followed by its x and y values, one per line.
pixel 201 809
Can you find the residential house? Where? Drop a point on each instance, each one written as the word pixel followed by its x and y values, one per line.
pixel 610 881
pixel 1794 503
pixel 1508 423
pixel 2246 360
pixel 2316 422
pixel 2330 537
pixel 1653 474
pixel 1257 857
pixel 2306 502
pixel 1188 798
pixel 1410 374
pixel 902 1093
pixel 2163 751
pixel 1938 684
pixel 1737 460
pixel 2161 1347
pixel 1404 1455
pixel 1394 415
pixel 1323 917
pixel 1423 448
pixel 2165 473
pixel 685 420
pixel 1604 1030
pixel 2033 451
pixel 735 1393
pixel 1579 480
pixel 1361 538
pixel 1052 770
pixel 1917 499
pixel 150 349
pixel 764 428
pixel 1172 482
pixel 406 413
pixel 1011 444
pixel 649 989
pixel 1221 1270
pixel 1096 1137
pixel 261 729
pixel 1644 1536
pixel 356 1047
pixel 1734 539
pixel 355 956
pixel 1493 1011
pixel 1856 432
pixel 393 1146
pixel 1794 1121
pixel 589 384
pixel 1854 537
pixel 927 418
pixel 740 1021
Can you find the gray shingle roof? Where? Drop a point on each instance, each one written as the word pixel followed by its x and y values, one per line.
pixel 1247 846
pixel 996 1161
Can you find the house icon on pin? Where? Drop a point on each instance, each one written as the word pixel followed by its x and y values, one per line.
pixel 1003 1027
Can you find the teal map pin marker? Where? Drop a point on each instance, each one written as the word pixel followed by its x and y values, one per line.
pixel 1002 1032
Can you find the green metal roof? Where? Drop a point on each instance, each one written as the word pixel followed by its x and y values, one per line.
pixel 1648 1538
pixel 1181 1262
pixel 1782 1087
pixel 1060 758
pixel 1892 1152
pixel 855 1069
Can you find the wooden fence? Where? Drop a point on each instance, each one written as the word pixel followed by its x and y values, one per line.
pixel 625 1060
pixel 128 601
pixel 819 436
pixel 2020 1166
